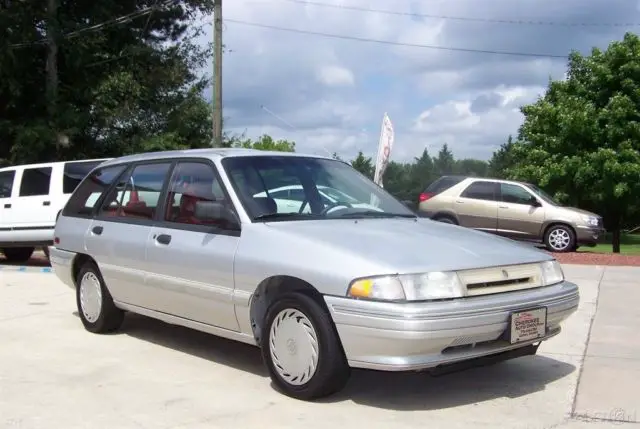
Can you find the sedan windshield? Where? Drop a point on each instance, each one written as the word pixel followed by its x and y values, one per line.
pixel 296 188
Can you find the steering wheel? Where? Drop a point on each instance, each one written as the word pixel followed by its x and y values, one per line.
pixel 333 206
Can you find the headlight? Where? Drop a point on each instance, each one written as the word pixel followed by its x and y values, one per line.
pixel 409 287
pixel 590 220
pixel 551 272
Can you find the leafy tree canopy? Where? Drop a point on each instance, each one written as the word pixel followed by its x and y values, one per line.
pixel 581 140
pixel 123 87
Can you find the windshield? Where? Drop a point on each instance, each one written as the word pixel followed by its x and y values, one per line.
pixel 543 195
pixel 296 188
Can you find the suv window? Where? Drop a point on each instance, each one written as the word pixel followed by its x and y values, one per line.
pixel 192 182
pixel 84 199
pixel 481 190
pixel 137 195
pixel 35 182
pixel 74 172
pixel 515 194
pixel 6 183
pixel 442 184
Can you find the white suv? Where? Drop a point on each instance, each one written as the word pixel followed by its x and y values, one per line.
pixel 31 196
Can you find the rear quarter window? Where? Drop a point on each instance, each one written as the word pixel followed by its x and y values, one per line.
pixel 88 193
pixel 442 184
pixel 74 172
pixel 481 190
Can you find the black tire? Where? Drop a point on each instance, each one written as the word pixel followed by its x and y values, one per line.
pixel 332 371
pixel 445 219
pixel 560 239
pixel 18 254
pixel 109 317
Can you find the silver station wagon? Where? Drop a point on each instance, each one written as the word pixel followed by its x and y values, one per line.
pixel 320 285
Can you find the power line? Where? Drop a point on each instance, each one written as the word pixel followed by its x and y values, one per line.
pixel 389 42
pixel 98 27
pixel 463 18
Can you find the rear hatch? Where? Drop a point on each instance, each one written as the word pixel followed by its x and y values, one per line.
pixel 439 186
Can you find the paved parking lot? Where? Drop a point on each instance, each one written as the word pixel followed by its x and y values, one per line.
pixel 54 374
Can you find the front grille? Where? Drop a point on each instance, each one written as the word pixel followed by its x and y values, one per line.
pixel 485 281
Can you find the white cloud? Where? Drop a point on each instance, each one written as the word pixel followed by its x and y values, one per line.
pixel 328 90
pixel 335 76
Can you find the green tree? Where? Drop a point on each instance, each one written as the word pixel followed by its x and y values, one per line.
pixel 502 159
pixel 472 167
pixel 266 142
pixel 122 87
pixel 444 163
pixel 581 140
pixel 364 165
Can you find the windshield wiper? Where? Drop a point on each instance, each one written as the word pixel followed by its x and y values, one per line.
pixel 373 213
pixel 268 216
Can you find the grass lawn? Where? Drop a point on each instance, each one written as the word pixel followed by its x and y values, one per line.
pixel 629 245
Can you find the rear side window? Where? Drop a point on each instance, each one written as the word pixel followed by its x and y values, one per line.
pixel 481 191
pixel 6 183
pixel 74 172
pixel 89 192
pixel 138 195
pixel 442 184
pixel 35 182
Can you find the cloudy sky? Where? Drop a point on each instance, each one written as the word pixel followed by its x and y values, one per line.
pixel 329 94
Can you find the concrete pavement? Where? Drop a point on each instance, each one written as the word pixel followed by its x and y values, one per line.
pixel 54 374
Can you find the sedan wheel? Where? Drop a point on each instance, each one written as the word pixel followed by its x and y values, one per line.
pixel 95 304
pixel 301 348
pixel 293 344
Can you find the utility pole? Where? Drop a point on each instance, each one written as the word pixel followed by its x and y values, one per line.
pixel 217 73
pixel 52 65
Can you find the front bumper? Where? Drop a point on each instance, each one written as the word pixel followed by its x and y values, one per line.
pixel 416 336
pixel 588 236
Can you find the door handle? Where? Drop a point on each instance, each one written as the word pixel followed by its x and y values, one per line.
pixel 503 207
pixel 7 206
pixel 459 201
pixel 163 239
pixel 97 230
pixel 46 203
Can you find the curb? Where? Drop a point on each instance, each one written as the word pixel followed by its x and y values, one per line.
pixel 24 269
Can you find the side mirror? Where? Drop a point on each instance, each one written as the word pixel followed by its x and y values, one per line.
pixel 534 202
pixel 215 211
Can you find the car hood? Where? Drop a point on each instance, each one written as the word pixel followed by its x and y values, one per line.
pixel 409 245
pixel 576 210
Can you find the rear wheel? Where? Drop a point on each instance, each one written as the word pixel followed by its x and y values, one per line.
pixel 95 304
pixel 445 219
pixel 302 350
pixel 18 254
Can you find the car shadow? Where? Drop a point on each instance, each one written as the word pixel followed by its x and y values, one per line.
pixel 403 391
pixel 199 344
pixel 36 260
pixel 411 391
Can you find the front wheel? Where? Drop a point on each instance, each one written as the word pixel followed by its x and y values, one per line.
pixel 560 238
pixel 95 304
pixel 302 350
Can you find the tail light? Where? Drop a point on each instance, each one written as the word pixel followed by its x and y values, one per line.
pixel 425 196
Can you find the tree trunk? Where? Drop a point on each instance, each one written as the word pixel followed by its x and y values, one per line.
pixel 615 241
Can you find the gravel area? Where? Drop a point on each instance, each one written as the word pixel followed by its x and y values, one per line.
pixel 593 258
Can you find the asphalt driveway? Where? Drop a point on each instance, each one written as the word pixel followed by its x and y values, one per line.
pixel 54 374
